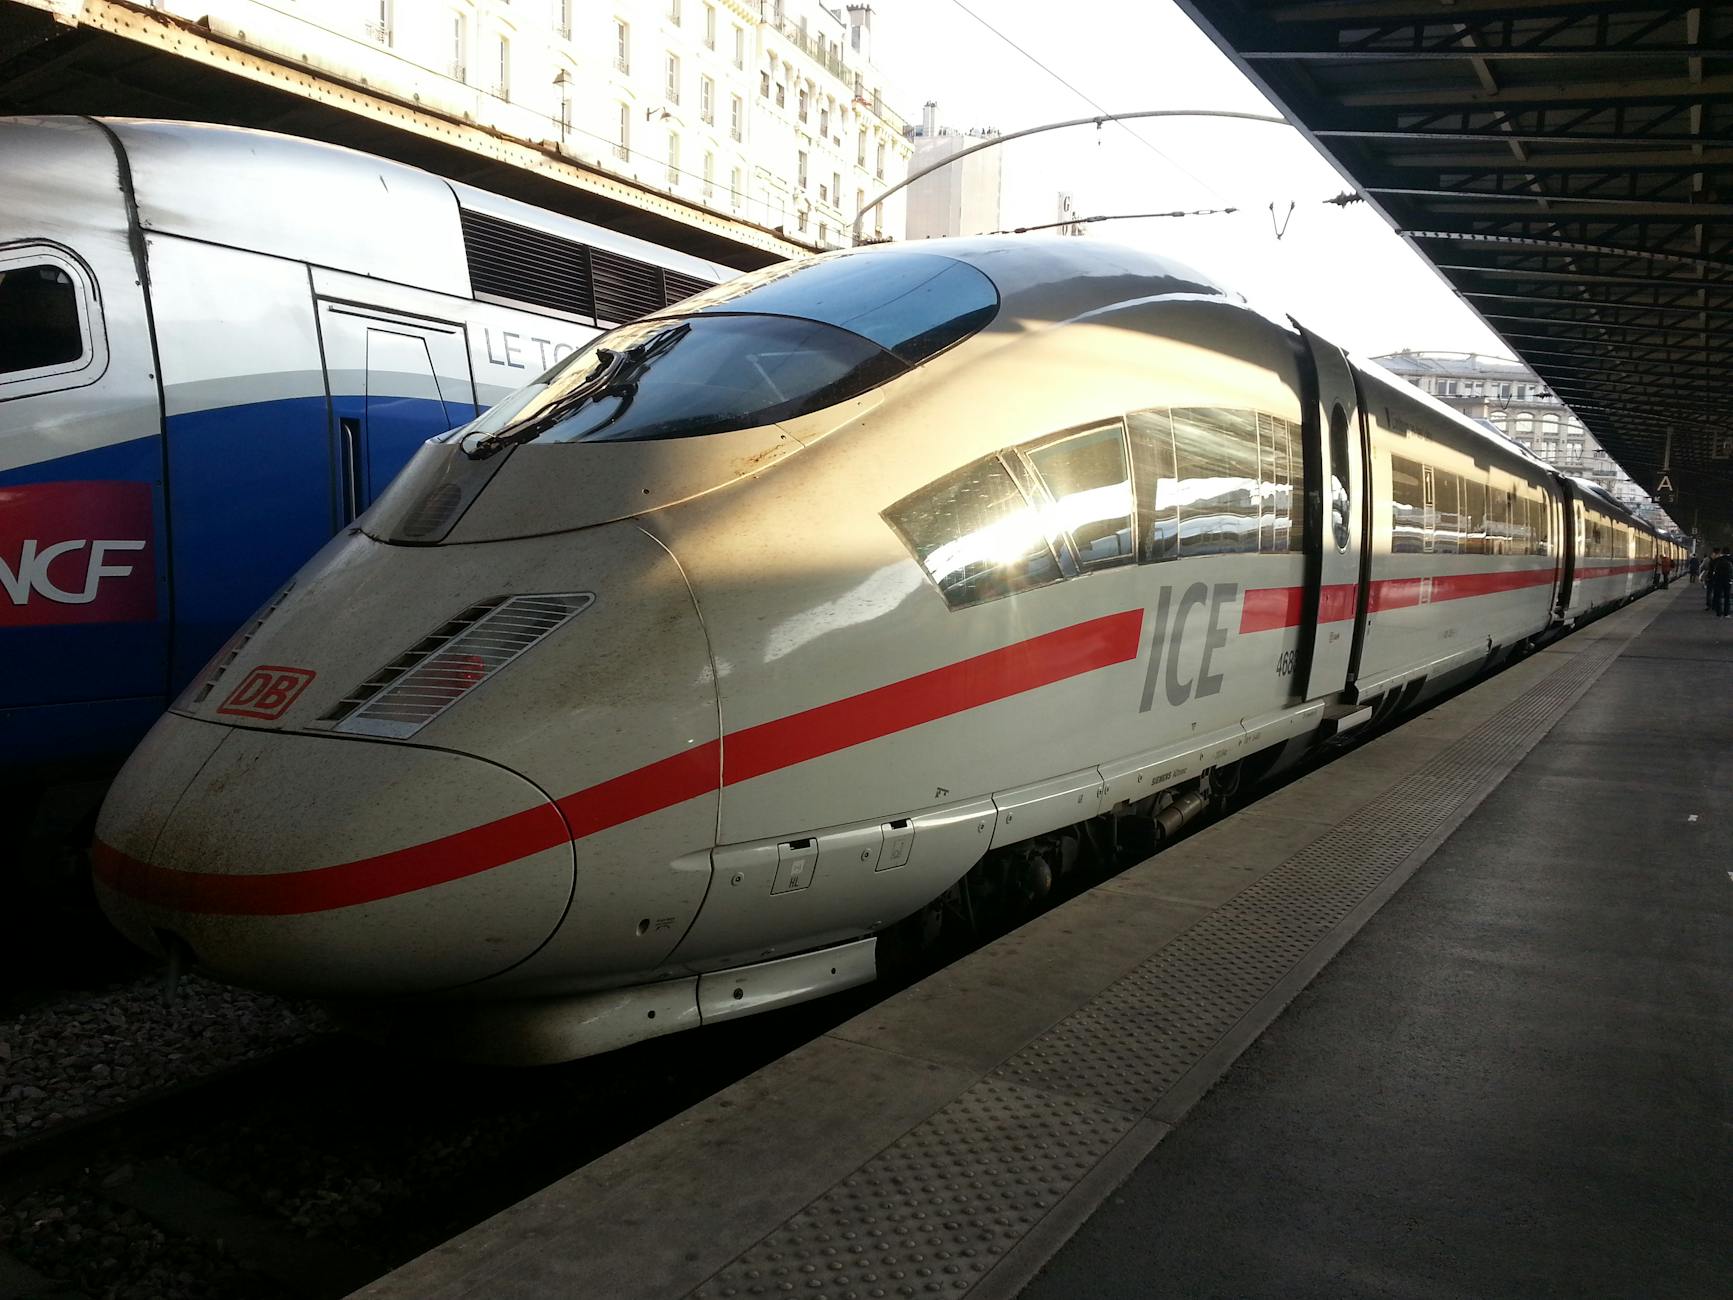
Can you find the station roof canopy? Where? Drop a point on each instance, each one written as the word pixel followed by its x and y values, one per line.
pixel 1568 168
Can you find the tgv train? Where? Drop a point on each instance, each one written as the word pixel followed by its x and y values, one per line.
pixel 217 347
pixel 658 694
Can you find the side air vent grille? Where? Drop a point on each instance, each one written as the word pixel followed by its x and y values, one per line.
pixel 525 265
pixel 433 512
pixel 530 266
pixel 625 287
pixel 683 286
pixel 237 643
pixel 444 666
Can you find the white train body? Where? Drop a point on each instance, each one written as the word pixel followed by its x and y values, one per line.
pixel 755 694
pixel 217 347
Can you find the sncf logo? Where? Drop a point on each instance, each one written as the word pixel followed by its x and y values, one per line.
pixel 76 552
pixel 266 692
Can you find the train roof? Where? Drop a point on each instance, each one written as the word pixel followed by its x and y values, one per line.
pixel 326 204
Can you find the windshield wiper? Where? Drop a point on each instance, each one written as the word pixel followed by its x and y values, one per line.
pixel 616 372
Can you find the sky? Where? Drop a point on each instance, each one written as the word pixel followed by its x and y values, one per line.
pixel 1342 272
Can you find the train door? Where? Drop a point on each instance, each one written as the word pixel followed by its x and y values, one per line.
pixel 1571 539
pixel 395 381
pixel 1334 606
pixel 1553 508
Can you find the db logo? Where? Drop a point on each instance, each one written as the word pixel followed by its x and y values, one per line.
pixel 267 691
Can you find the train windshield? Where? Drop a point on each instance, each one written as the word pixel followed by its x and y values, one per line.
pixel 911 304
pixel 764 348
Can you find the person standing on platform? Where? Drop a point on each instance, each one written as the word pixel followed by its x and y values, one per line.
pixel 1666 571
pixel 1721 581
pixel 1691 567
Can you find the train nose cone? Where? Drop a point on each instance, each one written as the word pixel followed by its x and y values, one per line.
pixel 329 866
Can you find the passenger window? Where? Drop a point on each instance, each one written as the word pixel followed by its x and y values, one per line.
pixel 1446 541
pixel 1217 453
pixel 1280 463
pixel 1407 507
pixel 1157 485
pixel 39 318
pixel 1497 522
pixel 1473 516
pixel 976 535
pixel 1089 481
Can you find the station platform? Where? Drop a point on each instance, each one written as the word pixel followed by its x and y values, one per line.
pixel 1515 1081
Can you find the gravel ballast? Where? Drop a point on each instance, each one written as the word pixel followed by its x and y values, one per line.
pixel 90 1052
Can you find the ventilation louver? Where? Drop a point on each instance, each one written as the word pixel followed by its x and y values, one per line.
pixel 444 666
pixel 237 643
pixel 530 266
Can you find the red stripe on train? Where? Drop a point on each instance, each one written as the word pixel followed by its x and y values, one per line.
pixel 1269 609
pixel 753 751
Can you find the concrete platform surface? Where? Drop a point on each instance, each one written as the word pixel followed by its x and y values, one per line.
pixel 1516 1080
pixel 949 1140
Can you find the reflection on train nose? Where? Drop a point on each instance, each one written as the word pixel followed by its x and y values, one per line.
pixel 282 867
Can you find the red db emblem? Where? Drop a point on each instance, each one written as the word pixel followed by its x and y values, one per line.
pixel 267 691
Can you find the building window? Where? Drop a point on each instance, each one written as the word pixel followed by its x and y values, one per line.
pixel 781 95
pixel 764 85
pixel 502 70
pixel 800 172
pixel 736 117
pixel 709 27
pixel 859 201
pixel 622 46
pixel 706 99
pixel 673 88
pixel 823 233
pixel 879 168
pixel 836 188
pixel 860 148
pixel 709 177
pixel 800 221
pixel 459 47
pixel 674 12
pixel 623 142
pixel 740 48
pixel 824 194
pixel 673 161
pixel 734 189
pixel 824 121
pixel 803 103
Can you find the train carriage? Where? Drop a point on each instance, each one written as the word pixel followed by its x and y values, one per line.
pixel 740 639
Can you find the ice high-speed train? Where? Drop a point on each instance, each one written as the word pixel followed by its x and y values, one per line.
pixel 656 695
pixel 217 346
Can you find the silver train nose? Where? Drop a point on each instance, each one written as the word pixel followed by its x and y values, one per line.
pixel 329 866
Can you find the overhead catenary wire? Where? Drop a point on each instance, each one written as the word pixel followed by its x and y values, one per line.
pixel 1089 99
pixel 1340 201
pixel 1116 216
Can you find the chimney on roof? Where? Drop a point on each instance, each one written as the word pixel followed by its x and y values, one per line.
pixel 930 118
pixel 860 31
